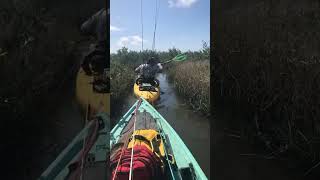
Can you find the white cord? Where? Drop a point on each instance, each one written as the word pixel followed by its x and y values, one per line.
pixel 134 129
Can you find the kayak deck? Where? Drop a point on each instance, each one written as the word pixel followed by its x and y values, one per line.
pixel 147 118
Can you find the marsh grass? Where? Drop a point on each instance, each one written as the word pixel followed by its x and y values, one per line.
pixel 192 80
pixel 267 66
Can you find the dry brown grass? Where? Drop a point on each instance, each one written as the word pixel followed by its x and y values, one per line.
pixel 192 81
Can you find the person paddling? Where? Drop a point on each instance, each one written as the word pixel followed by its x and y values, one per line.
pixel 147 72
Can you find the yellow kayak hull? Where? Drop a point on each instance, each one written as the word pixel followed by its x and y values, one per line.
pixel 86 96
pixel 150 96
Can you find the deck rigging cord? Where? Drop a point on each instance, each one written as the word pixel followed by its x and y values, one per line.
pixel 133 138
pixel 119 160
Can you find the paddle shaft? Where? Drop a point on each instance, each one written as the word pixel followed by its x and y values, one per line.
pixel 167 61
pixel 174 59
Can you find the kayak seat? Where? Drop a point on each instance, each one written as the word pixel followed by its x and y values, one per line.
pixel 153 82
pixel 147 87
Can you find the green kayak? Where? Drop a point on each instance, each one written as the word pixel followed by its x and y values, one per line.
pixel 145 125
pixel 90 154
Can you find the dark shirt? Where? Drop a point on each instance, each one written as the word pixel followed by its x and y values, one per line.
pixel 149 71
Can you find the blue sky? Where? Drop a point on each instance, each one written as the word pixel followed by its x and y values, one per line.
pixel 182 24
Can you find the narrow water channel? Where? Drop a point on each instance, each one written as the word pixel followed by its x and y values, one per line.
pixel 193 128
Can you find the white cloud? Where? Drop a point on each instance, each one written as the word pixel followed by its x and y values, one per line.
pixel 130 40
pixel 181 3
pixel 123 41
pixel 136 40
pixel 114 28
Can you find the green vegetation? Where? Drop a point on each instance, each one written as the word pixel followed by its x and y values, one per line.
pixel 121 77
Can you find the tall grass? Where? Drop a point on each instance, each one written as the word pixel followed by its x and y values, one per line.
pixel 191 78
pixel 192 81
pixel 267 65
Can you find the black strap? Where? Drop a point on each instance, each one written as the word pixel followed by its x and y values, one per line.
pixel 141 138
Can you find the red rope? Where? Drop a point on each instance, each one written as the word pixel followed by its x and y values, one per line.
pixel 86 149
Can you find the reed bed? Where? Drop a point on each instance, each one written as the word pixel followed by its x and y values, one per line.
pixel 268 66
pixel 192 80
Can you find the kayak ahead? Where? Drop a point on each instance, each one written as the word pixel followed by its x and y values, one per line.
pixel 144 137
pixel 147 91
